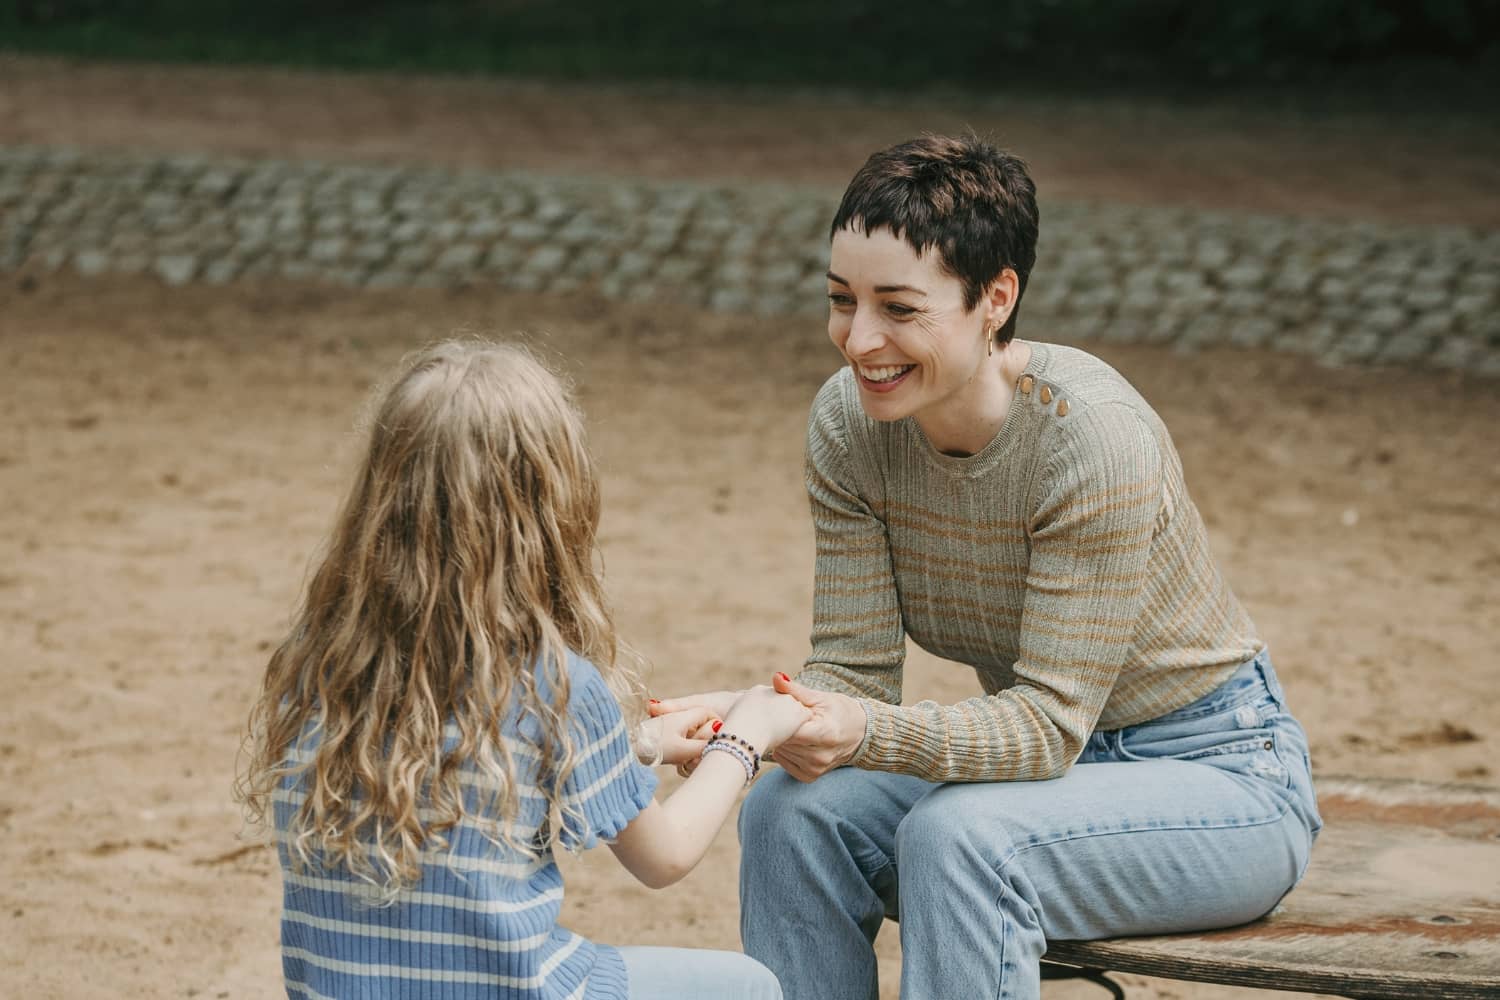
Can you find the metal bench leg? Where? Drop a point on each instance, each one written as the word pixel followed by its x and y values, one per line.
pixel 1052 970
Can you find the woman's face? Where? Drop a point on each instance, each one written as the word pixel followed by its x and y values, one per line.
pixel 901 324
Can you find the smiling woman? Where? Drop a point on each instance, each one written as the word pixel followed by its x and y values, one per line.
pixel 1016 507
pixel 915 347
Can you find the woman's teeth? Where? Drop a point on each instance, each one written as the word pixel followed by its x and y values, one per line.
pixel 885 374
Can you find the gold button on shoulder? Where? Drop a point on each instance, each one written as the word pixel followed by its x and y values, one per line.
pixel 1026 383
pixel 1046 394
pixel 1062 407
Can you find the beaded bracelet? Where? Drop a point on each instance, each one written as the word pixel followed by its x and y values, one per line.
pixel 745 748
pixel 744 744
pixel 736 752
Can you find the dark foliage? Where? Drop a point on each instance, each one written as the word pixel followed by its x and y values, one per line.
pixel 970 43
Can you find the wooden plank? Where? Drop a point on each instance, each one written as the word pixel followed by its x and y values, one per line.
pixel 1401 900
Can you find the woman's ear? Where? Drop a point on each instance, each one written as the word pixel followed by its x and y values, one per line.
pixel 1000 299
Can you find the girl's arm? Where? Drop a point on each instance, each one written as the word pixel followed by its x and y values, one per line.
pixel 669 838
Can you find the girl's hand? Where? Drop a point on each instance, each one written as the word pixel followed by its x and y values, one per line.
pixel 831 737
pixel 681 735
pixel 717 702
pixel 765 718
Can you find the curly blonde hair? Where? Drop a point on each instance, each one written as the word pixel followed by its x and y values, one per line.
pixel 461 569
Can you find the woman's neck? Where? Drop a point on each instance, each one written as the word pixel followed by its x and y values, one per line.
pixel 969 421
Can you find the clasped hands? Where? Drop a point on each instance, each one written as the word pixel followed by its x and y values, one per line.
pixel 830 735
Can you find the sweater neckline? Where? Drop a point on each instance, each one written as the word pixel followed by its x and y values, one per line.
pixel 1004 439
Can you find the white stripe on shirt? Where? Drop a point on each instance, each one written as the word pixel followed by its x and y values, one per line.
pixel 416 937
pixel 422 898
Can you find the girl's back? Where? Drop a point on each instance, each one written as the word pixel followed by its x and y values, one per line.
pixel 482 919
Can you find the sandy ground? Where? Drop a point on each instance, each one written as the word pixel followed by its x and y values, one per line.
pixel 169 461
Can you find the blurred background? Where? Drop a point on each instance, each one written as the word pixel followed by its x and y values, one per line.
pixel 222 223
pixel 1171 45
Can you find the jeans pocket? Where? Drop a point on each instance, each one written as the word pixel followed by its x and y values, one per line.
pixel 1242 739
pixel 1135 744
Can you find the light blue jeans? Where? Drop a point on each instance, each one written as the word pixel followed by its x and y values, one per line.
pixel 677 973
pixel 1202 818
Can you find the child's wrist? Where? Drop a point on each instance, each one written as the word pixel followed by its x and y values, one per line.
pixel 746 729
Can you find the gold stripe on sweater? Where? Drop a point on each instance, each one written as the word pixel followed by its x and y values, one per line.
pixel 968 536
pixel 835 547
pixel 882 586
pixel 915 512
pixel 883 616
pixel 1007 613
pixel 1143 493
pixel 851 579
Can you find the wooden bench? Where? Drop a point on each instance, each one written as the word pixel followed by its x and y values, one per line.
pixel 1401 902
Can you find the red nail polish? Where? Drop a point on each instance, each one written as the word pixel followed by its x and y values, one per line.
pixel 718 725
pixel 656 701
pixel 783 676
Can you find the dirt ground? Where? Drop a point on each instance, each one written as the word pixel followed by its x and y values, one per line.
pixel 169 460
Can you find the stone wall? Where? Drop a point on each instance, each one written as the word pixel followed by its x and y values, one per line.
pixel 1337 291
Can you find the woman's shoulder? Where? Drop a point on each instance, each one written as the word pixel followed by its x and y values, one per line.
pixel 1090 409
pixel 1086 382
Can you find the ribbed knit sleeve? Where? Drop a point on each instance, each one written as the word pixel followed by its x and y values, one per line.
pixel 608 787
pixel 858 646
pixel 1089 525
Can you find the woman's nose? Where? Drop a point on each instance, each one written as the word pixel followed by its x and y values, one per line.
pixel 865 334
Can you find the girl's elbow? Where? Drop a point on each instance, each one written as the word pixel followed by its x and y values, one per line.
pixel 656 867
pixel 662 874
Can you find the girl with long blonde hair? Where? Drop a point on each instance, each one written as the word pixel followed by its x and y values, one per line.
pixel 451 705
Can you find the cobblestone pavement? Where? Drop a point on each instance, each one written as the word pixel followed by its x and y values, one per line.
pixel 1342 293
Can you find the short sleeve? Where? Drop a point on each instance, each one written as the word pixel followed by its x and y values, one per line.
pixel 608 787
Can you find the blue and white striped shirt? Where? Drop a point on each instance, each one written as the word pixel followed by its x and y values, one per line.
pixel 482 921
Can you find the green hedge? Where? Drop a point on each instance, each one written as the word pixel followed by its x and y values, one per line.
pixel 860 42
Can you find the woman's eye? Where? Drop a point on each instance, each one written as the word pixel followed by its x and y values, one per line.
pixel 840 299
pixel 897 309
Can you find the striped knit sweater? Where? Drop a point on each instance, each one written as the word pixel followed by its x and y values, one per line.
pixel 1064 562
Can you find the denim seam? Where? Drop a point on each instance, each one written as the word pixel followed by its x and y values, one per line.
pixel 1150 829
pixel 1005 930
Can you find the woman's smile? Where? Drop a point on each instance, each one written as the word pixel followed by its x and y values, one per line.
pixel 882 378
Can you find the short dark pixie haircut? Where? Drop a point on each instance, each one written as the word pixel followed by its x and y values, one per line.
pixel 973 202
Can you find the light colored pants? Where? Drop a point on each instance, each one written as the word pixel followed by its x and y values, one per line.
pixel 1202 818
pixel 684 973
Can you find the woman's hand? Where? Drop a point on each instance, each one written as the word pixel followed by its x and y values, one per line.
pixel 680 735
pixel 829 739
pixel 717 702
